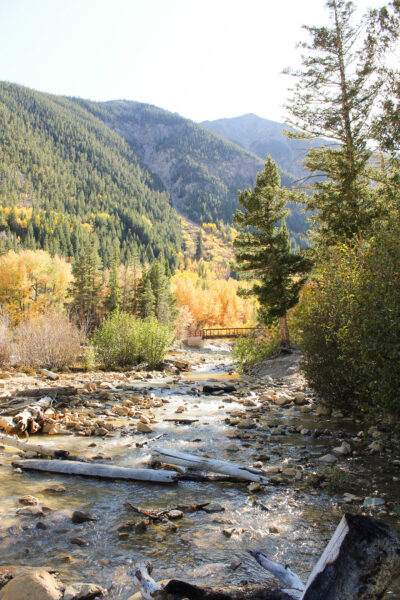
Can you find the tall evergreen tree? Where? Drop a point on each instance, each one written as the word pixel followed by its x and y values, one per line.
pixel 86 289
pixel 199 253
pixel 335 97
pixel 114 297
pixel 262 249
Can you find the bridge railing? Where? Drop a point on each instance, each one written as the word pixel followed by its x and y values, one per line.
pixel 225 332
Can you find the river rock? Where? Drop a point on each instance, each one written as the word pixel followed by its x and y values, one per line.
pixel 254 487
pixel 300 398
pixel 32 584
pixel 79 541
pixel 323 411
pixel 82 517
pixel 55 489
pixel 373 502
pixel 246 424
pixel 175 514
pixel 213 507
pixel 375 446
pixel 30 511
pixel 143 428
pixel 343 450
pixel 83 591
pixel 282 400
pixel 28 500
pixel 328 459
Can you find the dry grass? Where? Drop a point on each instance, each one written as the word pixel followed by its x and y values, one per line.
pixel 50 341
pixel 5 339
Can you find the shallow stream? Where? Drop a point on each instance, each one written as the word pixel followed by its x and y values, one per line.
pixel 289 524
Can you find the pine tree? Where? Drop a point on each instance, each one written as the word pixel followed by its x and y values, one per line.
pixel 86 289
pixel 199 253
pixel 146 300
pixel 114 297
pixel 262 249
pixel 335 98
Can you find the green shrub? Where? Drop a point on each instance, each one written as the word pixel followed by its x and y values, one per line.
pixel 351 327
pixel 249 350
pixel 125 341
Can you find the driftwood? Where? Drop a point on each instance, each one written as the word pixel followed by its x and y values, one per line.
pixel 359 563
pixel 202 463
pixel 69 467
pixel 8 440
pixel 48 391
pixel 30 419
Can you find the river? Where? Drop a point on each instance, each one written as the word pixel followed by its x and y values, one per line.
pixel 290 523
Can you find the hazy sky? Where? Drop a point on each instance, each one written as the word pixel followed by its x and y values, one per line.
pixel 204 59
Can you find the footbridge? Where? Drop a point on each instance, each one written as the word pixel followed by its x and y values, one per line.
pixel 225 332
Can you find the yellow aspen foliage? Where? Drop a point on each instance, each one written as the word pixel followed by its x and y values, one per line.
pixel 31 282
pixel 212 302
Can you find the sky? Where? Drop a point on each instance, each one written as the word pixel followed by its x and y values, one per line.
pixel 203 59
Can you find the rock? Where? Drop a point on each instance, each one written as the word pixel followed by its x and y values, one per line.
pixel 82 517
pixel 254 487
pixel 289 472
pixel 79 541
pixel 328 459
pixel 143 428
pixel 213 507
pixel 348 498
pixel 372 502
pixel 228 532
pixel 49 374
pixel 282 400
pixel 56 489
pixel 122 411
pixel 141 526
pixel 246 424
pixel 175 514
pixel 343 450
pixel 32 584
pixel 218 389
pixel 28 500
pixel 232 448
pixel 83 591
pixel 323 411
pixel 30 511
pixel 300 398
pixel 375 446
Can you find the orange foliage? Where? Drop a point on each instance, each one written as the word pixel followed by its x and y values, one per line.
pixel 212 302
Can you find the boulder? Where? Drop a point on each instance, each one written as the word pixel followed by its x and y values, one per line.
pixel 83 591
pixel 328 459
pixel 32 584
pixel 323 411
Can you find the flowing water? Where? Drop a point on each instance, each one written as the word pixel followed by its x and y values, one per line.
pixel 288 523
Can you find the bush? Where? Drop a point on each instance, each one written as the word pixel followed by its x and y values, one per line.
pixel 248 351
pixel 125 341
pixel 50 341
pixel 351 328
pixel 5 339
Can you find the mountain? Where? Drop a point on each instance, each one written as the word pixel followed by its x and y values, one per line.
pixel 263 137
pixel 202 171
pixel 63 172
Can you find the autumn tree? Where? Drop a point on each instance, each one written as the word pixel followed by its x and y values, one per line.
pixel 335 98
pixel 262 249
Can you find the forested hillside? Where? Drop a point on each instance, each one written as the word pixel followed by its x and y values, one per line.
pixel 201 171
pixel 64 173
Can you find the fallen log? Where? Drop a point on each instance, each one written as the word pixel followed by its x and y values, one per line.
pixel 218 389
pixel 29 420
pixel 70 467
pixel 48 391
pixel 202 463
pixel 359 563
pixel 8 440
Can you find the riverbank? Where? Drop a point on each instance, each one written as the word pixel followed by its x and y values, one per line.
pixel 272 422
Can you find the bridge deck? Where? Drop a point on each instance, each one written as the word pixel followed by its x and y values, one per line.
pixel 226 332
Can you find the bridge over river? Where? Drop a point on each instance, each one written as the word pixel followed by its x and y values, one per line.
pixel 225 332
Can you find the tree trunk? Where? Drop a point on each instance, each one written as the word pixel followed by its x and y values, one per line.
pixel 285 340
pixel 69 467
